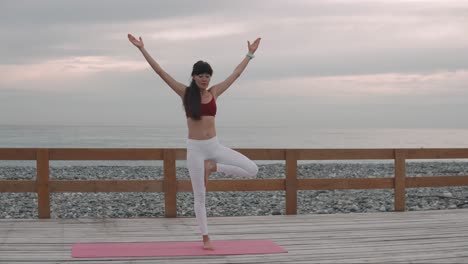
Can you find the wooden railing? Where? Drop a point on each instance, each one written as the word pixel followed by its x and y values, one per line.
pixel 170 185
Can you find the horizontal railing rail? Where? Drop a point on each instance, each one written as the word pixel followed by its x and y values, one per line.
pixel 291 184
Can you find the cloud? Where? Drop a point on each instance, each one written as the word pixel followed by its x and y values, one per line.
pixel 295 32
pixel 64 69
pixel 369 88
pixel 325 51
pixel 198 32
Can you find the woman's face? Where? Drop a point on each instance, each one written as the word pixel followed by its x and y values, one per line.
pixel 202 80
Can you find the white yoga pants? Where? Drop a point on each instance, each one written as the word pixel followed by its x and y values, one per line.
pixel 228 161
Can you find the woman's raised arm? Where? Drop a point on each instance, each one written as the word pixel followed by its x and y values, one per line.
pixel 221 87
pixel 178 87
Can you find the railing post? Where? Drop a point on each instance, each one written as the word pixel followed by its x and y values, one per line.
pixel 400 179
pixel 291 182
pixel 170 183
pixel 42 183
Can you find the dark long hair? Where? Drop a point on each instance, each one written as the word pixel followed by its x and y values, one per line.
pixel 192 96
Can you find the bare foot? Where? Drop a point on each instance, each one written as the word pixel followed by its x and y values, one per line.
pixel 207 243
pixel 210 166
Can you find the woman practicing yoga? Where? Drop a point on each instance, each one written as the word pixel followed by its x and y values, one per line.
pixel 204 152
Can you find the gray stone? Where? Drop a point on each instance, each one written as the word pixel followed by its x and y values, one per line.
pixel 447 194
pixel 73 205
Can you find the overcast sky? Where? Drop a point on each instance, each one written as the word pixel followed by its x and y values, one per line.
pixel 398 64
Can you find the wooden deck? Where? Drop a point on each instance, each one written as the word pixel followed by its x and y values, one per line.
pixel 439 236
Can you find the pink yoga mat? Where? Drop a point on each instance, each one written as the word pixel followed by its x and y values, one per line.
pixel 160 249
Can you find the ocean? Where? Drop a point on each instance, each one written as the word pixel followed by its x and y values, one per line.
pixel 112 136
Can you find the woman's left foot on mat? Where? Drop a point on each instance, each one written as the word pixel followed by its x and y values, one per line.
pixel 207 244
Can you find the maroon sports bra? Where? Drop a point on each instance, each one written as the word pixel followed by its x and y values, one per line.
pixel 208 109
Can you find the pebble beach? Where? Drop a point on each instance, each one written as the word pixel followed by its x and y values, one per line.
pixel 128 205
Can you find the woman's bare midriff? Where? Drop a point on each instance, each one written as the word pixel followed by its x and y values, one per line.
pixel 201 129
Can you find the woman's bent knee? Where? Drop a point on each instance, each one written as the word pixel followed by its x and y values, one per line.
pixel 253 170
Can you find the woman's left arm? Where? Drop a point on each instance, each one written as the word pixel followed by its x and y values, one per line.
pixel 221 87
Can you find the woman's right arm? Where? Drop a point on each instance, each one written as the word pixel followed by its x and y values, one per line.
pixel 178 87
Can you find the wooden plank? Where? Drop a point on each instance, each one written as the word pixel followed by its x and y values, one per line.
pixel 17 186
pixel 400 176
pixel 254 154
pixel 148 154
pixel 106 186
pixel 343 184
pixel 42 183
pixel 236 185
pixel 344 154
pixel 422 236
pixel 17 153
pixel 263 154
pixel 441 153
pixel 180 154
pixel 105 154
pixel 291 182
pixel 170 183
pixel 436 181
